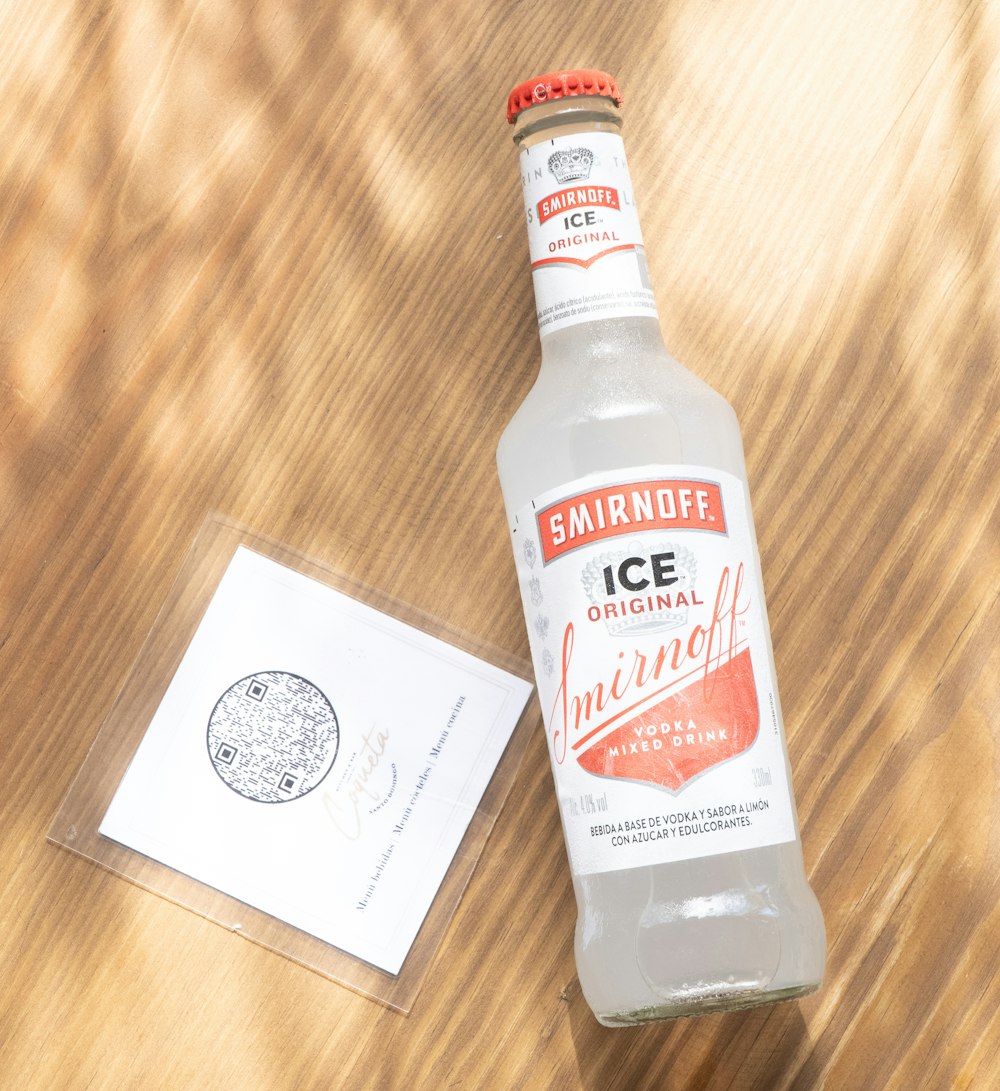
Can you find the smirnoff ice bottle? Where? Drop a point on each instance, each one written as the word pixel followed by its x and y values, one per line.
pixel 625 488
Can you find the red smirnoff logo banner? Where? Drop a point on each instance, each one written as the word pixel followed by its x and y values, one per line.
pixel 669 743
pixel 626 509
pixel 569 200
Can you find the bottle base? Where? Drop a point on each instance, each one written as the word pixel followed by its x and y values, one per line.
pixel 705 1002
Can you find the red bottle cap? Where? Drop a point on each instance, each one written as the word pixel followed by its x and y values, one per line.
pixel 553 85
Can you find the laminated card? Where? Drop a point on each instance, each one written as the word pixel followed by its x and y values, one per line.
pixel 316 759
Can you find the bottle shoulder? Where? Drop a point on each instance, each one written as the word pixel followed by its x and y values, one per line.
pixel 592 417
pixel 594 393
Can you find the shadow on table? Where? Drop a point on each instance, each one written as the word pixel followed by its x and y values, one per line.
pixel 761 1049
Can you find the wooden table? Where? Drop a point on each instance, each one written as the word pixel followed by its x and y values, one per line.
pixel 268 259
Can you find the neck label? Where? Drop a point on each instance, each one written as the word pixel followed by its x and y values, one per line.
pixel 587 257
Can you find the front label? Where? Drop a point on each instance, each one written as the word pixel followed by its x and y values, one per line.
pixel 653 663
pixel 587 257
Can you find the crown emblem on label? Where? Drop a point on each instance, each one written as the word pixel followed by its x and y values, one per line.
pixel 571 164
pixel 651 609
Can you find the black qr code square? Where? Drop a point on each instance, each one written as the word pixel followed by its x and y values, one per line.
pixel 288 782
pixel 256 690
pixel 226 753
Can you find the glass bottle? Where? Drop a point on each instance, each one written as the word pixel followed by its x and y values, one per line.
pixel 625 487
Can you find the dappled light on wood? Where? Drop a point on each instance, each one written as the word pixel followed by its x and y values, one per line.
pixel 268 259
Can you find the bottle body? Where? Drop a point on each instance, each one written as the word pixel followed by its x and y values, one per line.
pixel 675 938
pixel 691 890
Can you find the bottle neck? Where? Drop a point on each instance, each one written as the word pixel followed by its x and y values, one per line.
pixel 588 261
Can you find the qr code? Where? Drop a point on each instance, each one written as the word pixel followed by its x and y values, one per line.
pixel 273 736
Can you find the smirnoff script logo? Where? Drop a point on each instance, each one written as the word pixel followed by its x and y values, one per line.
pixel 667 713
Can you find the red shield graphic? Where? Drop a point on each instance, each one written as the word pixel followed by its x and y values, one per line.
pixel 707 722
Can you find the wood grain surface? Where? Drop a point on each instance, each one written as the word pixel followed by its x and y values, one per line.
pixel 267 259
